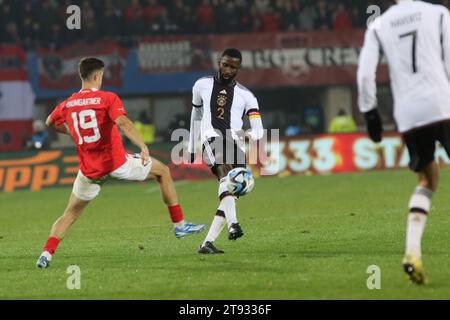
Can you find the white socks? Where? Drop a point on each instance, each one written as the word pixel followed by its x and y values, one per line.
pixel 419 206
pixel 416 225
pixel 420 200
pixel 227 207
pixel 228 203
pixel 215 229
pixel 179 224
pixel 48 255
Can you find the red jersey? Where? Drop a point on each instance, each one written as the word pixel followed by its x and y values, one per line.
pixel 90 116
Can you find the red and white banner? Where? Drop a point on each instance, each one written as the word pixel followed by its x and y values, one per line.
pixel 16 99
pixel 12 63
pixel 59 69
pixel 269 59
pixel 303 58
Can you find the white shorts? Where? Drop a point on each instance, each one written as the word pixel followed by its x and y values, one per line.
pixel 132 170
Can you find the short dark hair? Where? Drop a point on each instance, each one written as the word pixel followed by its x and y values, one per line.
pixel 233 53
pixel 88 66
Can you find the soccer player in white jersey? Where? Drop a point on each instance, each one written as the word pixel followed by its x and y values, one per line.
pixel 219 105
pixel 415 38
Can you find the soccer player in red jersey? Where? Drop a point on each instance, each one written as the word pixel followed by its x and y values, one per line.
pixel 92 118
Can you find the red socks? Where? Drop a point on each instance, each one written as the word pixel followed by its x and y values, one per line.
pixel 176 214
pixel 51 245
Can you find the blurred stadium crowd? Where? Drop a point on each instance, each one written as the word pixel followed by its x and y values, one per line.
pixel 35 23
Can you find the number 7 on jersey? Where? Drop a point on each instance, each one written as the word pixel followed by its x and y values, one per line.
pixel 412 34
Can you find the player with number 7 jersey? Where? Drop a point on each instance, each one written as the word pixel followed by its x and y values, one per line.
pixel 415 38
pixel 92 118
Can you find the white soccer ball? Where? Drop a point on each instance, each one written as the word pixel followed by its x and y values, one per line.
pixel 240 181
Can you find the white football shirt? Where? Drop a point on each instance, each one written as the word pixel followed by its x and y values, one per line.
pixel 415 38
pixel 223 107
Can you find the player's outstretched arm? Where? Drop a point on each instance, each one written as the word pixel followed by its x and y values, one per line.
pixel 128 128
pixel 61 128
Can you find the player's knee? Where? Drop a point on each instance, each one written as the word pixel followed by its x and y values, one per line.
pixel 159 171
pixel 163 172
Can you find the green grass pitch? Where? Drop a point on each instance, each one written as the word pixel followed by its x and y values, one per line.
pixel 308 237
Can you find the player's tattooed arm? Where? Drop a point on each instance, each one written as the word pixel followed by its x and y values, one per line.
pixel 63 128
pixel 128 128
